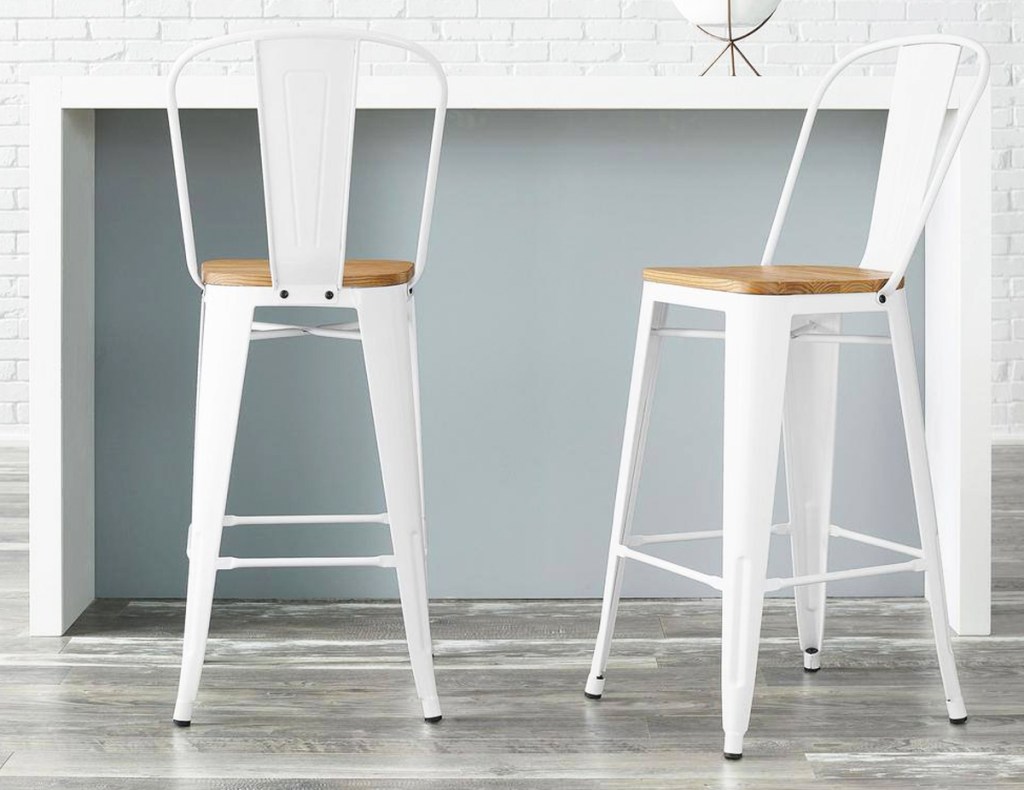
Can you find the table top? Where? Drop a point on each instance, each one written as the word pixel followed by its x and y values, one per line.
pixel 511 93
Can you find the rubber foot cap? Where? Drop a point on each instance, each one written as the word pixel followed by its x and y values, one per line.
pixel 732 755
pixel 432 719
pixel 588 695
pixel 180 723
pixel 958 721
pixel 812 670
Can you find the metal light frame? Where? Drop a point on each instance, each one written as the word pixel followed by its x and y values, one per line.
pixel 730 39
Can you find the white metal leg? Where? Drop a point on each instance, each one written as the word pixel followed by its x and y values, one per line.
pixel 414 355
pixel 756 348
pixel 227 321
pixel 809 426
pixel 913 422
pixel 638 408
pixel 385 324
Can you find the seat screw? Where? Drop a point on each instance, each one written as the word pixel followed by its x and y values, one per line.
pixel 284 294
pixel 881 298
pixel 329 295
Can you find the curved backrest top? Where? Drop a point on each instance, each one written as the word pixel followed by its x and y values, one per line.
pixel 920 143
pixel 306 86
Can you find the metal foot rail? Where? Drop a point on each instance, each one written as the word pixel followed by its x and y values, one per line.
pixel 672 537
pixel 713 334
pixel 634 541
pixel 231 563
pixel 715 582
pixel 372 518
pixel 871 540
pixel 770 585
pixel 917 564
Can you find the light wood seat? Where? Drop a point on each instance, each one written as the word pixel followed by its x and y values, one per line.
pixel 772 280
pixel 254 272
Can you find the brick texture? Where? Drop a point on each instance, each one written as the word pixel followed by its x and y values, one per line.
pixel 504 37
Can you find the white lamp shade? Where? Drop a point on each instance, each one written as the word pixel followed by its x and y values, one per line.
pixel 714 13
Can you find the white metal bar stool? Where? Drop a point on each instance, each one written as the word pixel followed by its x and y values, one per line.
pixel 782 330
pixel 306 82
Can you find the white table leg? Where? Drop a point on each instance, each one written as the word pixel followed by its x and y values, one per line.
pixel 958 353
pixel 61 479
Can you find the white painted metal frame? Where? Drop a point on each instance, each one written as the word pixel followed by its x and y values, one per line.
pixel 957 294
pixel 781 372
pixel 279 44
pixel 306 101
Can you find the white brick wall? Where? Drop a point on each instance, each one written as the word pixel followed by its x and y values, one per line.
pixel 503 37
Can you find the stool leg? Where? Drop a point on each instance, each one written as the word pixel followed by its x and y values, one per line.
pixel 638 409
pixel 414 356
pixel 917 452
pixel 224 351
pixel 809 429
pixel 757 338
pixel 415 359
pixel 384 323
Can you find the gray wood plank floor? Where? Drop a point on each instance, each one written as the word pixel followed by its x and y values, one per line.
pixel 319 695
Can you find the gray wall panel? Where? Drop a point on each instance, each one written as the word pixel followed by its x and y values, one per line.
pixel 527 319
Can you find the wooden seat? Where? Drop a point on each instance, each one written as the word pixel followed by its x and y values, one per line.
pixel 254 272
pixel 773 280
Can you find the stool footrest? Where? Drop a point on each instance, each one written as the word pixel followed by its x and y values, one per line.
pixel 635 541
pixel 918 565
pixel 715 582
pixel 676 537
pixel 369 518
pixel 230 563
pixel 669 331
pixel 672 537
pixel 915 565
pixel 871 540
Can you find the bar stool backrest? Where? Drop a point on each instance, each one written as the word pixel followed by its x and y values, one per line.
pixel 921 139
pixel 306 89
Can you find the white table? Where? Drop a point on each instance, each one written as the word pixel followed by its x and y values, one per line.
pixel 958 310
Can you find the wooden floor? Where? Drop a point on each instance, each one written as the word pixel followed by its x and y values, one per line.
pixel 319 695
